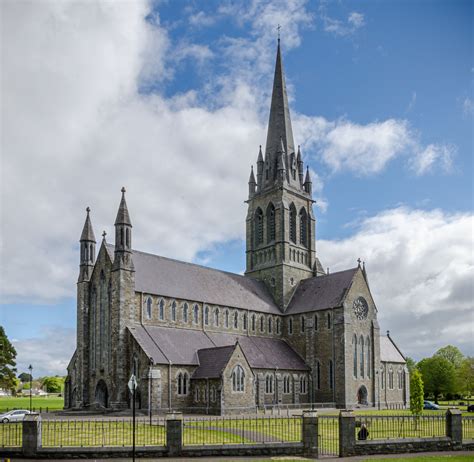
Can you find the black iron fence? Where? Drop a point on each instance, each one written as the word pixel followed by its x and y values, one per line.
pixel 102 432
pixel 328 435
pixel 376 427
pixel 241 430
pixel 11 434
pixel 467 428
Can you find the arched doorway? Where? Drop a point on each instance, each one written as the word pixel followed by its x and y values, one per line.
pixel 362 395
pixel 101 394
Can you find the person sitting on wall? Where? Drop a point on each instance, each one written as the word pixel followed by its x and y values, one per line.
pixel 363 433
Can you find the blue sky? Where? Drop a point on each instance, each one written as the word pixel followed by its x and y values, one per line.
pixel 172 98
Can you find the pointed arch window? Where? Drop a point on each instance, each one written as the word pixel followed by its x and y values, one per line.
pixel 270 223
pixel 303 227
pixel 270 325
pixel 127 237
pixel 318 375
pixel 185 312
pixel 278 326
pixel 286 384
pixel 390 378
pixel 262 324
pixel 149 304
pixel 236 320
pixel 361 355
pixel 245 321
pixel 216 317
pixel 354 355
pixel 173 311
pixel 226 318
pixel 302 324
pixel 269 384
pixel 206 315
pixel 382 377
pixel 329 320
pixel 183 383
pixel 316 319
pixel 196 314
pixel 303 385
pixel 259 226
pixel 253 322
pixel 238 378
pixel 293 223
pixel 290 326
pixel 161 309
pixel 368 350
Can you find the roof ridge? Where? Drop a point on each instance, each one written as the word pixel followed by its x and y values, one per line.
pixel 190 264
pixel 217 347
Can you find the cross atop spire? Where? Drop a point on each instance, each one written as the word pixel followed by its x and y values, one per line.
pixel 278 29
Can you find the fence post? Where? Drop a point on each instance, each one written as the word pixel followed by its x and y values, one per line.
pixel 310 433
pixel 346 433
pixel 454 426
pixel 31 433
pixel 174 433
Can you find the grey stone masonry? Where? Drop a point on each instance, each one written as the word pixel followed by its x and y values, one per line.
pixel 174 433
pixel 310 433
pixel 31 434
pixel 346 433
pixel 454 425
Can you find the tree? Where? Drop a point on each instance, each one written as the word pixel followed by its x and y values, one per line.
pixel 438 375
pixel 411 364
pixel 465 377
pixel 452 354
pixel 7 363
pixel 416 392
pixel 53 384
pixel 24 377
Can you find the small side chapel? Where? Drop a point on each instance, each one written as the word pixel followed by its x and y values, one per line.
pixel 285 334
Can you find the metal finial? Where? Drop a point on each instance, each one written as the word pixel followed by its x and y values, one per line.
pixel 123 190
pixel 388 333
pixel 278 29
pixel 104 233
pixel 359 261
pixel 88 209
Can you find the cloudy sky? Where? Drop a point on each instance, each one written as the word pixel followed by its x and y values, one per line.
pixel 171 100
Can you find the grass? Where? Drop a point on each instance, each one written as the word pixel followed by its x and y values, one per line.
pixel 450 458
pixel 52 403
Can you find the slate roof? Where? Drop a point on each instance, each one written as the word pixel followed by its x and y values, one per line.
pixel 181 346
pixel 212 362
pixel 389 352
pixel 322 292
pixel 177 279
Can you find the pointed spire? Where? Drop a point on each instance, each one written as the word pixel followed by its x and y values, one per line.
pixel 123 217
pixel 252 176
pixel 299 162
pixel 252 183
pixel 87 232
pixel 308 184
pixel 260 156
pixel 279 124
pixel 259 169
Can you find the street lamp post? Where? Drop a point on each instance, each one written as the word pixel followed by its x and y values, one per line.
pixel 30 368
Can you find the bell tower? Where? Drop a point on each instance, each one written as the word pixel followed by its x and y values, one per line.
pixel 280 224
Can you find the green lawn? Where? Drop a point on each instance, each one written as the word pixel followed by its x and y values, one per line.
pixel 38 402
pixel 450 458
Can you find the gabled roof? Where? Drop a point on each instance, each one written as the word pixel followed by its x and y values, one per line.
pixel 181 346
pixel 389 352
pixel 212 361
pixel 177 279
pixel 322 292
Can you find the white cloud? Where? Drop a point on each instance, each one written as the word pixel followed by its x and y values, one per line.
pixel 468 106
pixel 49 354
pixel 420 267
pixel 425 159
pixel 201 19
pixel 340 27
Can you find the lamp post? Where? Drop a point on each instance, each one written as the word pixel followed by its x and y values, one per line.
pixel 30 368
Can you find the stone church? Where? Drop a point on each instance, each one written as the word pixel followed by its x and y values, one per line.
pixel 286 334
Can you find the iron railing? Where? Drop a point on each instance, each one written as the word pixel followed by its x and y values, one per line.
pixel 102 432
pixel 400 426
pixel 467 428
pixel 328 435
pixel 241 430
pixel 11 434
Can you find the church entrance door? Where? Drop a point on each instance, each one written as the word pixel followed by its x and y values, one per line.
pixel 101 394
pixel 362 395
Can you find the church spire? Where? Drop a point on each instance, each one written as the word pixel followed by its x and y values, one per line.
pixel 123 237
pixel 88 243
pixel 252 183
pixel 279 124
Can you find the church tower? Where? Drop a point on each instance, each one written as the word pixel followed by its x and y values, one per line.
pixel 280 220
